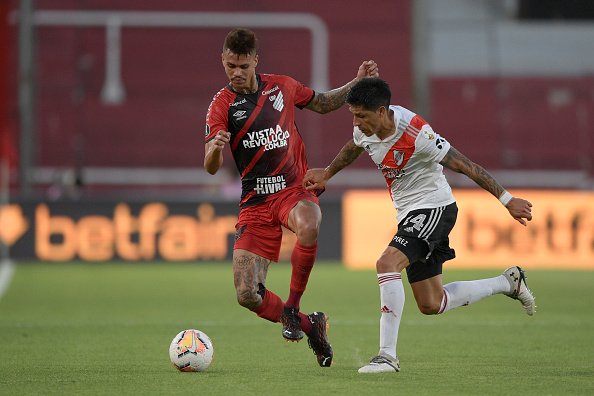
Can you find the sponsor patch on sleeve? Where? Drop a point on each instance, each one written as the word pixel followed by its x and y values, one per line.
pixel 428 134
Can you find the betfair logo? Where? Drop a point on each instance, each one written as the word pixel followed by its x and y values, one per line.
pixel 13 224
pixel 152 233
pixel 132 234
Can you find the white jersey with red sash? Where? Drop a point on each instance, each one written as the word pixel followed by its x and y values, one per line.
pixel 409 161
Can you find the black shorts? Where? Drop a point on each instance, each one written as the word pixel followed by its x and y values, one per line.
pixel 423 237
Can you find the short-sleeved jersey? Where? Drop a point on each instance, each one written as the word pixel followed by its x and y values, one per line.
pixel 409 161
pixel 266 145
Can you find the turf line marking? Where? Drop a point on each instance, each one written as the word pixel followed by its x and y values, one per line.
pixel 6 272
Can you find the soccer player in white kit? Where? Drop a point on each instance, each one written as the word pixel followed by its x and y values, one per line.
pixel 411 157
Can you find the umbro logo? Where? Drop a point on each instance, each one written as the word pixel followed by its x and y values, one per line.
pixel 239 232
pixel 239 115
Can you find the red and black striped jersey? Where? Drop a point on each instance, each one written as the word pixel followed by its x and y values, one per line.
pixel 265 142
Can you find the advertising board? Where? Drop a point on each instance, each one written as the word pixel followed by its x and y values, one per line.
pixel 561 234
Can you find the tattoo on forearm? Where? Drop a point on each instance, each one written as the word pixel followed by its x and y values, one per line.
pixel 345 157
pixel 485 180
pixel 458 162
pixel 325 102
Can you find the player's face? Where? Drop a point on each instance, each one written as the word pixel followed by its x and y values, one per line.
pixel 241 71
pixel 368 121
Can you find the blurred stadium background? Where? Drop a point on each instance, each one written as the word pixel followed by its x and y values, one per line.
pixel 103 105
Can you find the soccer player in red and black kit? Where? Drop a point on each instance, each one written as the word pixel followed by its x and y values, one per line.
pixel 255 115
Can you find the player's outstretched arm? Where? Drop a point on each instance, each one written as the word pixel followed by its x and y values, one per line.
pixel 213 152
pixel 324 102
pixel 317 178
pixel 518 208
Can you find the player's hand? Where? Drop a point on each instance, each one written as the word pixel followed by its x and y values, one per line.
pixel 315 179
pixel 520 209
pixel 368 69
pixel 220 140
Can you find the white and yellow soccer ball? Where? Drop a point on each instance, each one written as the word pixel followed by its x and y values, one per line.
pixel 191 350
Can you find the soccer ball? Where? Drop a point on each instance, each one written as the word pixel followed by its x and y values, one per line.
pixel 191 350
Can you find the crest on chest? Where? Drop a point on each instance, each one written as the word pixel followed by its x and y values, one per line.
pixel 398 155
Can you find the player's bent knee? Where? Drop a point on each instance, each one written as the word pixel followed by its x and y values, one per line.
pixel 307 234
pixel 429 309
pixel 382 266
pixel 385 264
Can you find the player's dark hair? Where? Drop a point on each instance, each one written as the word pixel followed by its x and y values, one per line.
pixel 370 94
pixel 241 42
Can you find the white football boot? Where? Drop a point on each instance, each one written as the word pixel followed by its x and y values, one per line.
pixel 381 363
pixel 519 289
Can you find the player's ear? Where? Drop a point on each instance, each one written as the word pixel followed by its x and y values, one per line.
pixel 255 60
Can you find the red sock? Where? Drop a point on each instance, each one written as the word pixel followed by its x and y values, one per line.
pixel 305 323
pixel 302 261
pixel 271 307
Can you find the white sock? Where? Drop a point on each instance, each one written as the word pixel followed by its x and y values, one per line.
pixel 457 294
pixel 392 304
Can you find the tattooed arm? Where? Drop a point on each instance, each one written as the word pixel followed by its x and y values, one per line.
pixel 458 162
pixel 324 102
pixel 454 160
pixel 316 179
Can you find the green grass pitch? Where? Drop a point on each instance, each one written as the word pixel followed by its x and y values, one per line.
pixel 106 328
